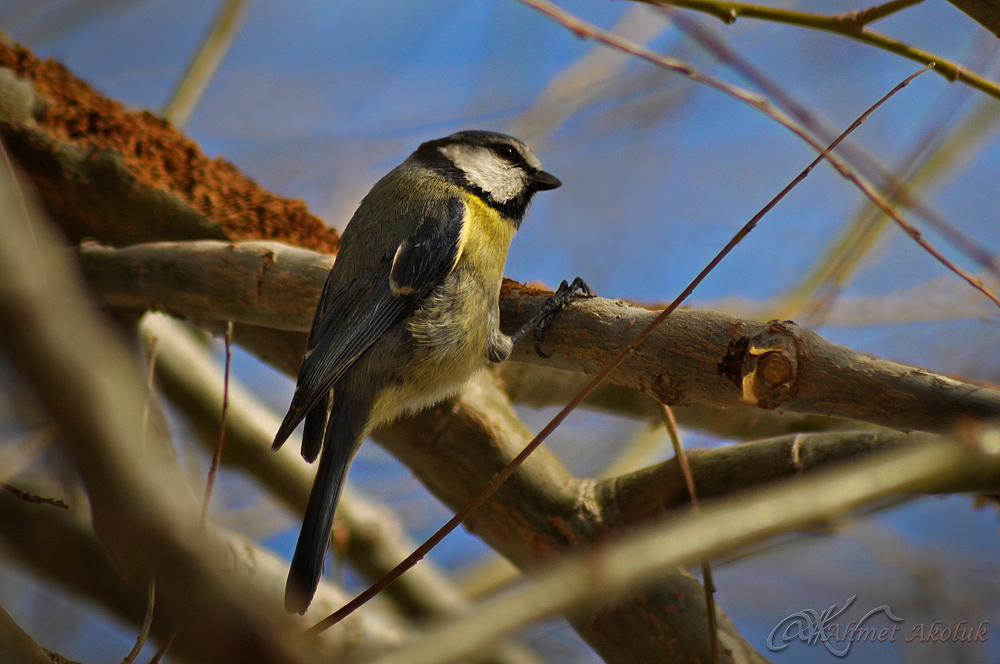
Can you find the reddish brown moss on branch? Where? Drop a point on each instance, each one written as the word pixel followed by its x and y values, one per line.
pixel 160 156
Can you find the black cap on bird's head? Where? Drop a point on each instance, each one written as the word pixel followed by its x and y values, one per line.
pixel 497 168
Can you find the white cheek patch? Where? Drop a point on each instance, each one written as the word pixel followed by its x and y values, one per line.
pixel 500 179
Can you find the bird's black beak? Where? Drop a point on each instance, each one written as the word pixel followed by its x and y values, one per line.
pixel 544 181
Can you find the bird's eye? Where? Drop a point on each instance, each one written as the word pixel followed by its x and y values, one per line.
pixel 505 151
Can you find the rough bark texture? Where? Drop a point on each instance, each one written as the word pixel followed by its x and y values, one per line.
pixel 540 514
pixel 61 545
pixel 695 357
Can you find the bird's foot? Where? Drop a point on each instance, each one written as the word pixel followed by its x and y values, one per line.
pixel 543 317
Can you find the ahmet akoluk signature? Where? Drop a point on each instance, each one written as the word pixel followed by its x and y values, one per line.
pixel 813 627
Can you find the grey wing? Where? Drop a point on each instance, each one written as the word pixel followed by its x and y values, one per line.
pixel 353 315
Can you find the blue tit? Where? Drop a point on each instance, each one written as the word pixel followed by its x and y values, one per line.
pixel 409 312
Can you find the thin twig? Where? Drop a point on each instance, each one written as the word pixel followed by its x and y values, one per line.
pixel 859 19
pixel 473 504
pixel 162 652
pixel 667 413
pixel 817 291
pixel 22 205
pixel 203 66
pixel 590 577
pixel 729 11
pixel 28 497
pixel 149 389
pixel 147 623
pixel 898 190
pixel 217 457
pixel 586 30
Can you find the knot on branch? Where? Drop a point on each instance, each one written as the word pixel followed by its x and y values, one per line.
pixel 764 366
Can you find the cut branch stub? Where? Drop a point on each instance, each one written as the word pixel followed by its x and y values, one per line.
pixel 770 367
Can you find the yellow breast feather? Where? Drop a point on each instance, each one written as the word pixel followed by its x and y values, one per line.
pixel 485 238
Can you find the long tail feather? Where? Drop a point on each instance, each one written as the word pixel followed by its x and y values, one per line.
pixel 314 538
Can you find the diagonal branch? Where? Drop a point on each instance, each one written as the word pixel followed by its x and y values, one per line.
pixel 587 30
pixel 142 509
pixel 199 73
pixel 376 540
pixel 61 545
pixel 542 512
pixel 589 577
pixel 842 25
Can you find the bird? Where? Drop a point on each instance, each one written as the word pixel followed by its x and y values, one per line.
pixel 409 311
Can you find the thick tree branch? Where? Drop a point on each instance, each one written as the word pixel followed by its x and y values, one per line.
pixel 695 357
pixel 61 545
pixel 541 513
pixel 258 283
pixel 709 357
pixel 142 509
pixel 652 492
pixel 376 541
pixel 715 530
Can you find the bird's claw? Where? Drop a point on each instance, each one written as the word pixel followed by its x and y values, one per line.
pixel 556 302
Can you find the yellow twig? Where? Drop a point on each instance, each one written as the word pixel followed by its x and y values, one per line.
pixel 728 12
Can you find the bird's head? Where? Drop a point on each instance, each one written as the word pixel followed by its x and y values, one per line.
pixel 497 168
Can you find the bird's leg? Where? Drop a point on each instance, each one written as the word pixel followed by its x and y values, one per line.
pixel 540 321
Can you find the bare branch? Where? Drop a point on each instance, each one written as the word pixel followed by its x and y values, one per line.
pixel 694 357
pixel 655 491
pixel 376 540
pixel 147 624
pixel 260 283
pixel 200 71
pixel 142 509
pixel 610 570
pixel 587 30
pixel 61 545
pixel 904 193
pixel 540 513
pixel 708 357
pixel 729 11
pixel 863 17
